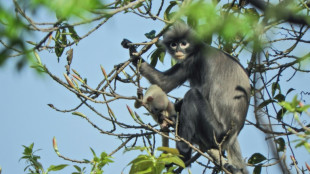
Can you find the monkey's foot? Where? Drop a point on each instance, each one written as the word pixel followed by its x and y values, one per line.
pixel 233 169
pixel 164 126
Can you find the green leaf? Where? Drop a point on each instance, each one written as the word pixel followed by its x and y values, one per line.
pixel 105 159
pixel 57 168
pixel 64 37
pixel 93 152
pixel 28 150
pixel 154 61
pixel 303 108
pixel 256 158
pixel 171 170
pixel 290 90
pixel 79 114
pixel 253 13
pixel 173 159
pixel 138 5
pixel 58 48
pixel 191 21
pixel 265 103
pixel 227 5
pixel 151 34
pixel 173 62
pixel 286 105
pixel 74 34
pixel 67 8
pixel 139 158
pixel 281 113
pixel 173 151
pixel 37 57
pixel 142 164
pixel 280 97
pixel 274 87
pixel 77 168
pixel 281 144
pixel 162 56
pixel 96 159
pixel 159 167
pixel 158 54
pixel 38 68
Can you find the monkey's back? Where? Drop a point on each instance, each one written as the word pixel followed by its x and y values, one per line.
pixel 227 87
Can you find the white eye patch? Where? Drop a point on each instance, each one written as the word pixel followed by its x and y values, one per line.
pixel 173 45
pixel 184 45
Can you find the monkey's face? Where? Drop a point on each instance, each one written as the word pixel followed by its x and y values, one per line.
pixel 157 107
pixel 179 50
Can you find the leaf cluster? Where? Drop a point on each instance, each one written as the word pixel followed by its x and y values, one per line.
pixel 34 166
pixel 149 163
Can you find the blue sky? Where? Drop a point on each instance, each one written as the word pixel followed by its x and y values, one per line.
pixel 26 118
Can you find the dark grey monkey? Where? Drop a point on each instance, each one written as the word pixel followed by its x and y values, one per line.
pixel 219 94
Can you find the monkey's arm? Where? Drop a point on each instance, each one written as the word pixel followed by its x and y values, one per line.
pixel 132 49
pixel 167 80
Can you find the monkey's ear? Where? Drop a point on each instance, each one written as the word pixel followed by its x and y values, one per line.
pixel 149 99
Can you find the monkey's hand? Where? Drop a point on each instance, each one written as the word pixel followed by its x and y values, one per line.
pixel 138 103
pixel 132 49
pixel 125 43
pixel 172 120
pixel 140 93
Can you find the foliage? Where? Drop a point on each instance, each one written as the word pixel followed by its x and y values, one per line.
pixel 35 167
pixel 63 8
pixel 266 38
pixel 296 107
pixel 11 28
pixel 149 163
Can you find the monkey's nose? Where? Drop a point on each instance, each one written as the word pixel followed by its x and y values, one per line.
pixel 179 55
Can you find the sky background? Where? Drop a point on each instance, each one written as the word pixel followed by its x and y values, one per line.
pixel 26 118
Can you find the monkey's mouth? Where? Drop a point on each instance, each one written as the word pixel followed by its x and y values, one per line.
pixel 179 56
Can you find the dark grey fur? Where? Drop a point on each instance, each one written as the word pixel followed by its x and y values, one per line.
pixel 217 101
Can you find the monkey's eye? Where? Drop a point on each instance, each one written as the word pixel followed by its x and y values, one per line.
pixel 184 44
pixel 173 45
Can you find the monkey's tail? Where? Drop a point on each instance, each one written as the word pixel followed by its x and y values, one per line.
pixel 235 158
pixel 165 140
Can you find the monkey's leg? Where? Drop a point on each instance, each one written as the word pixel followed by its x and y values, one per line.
pixel 178 105
pixel 186 129
pixel 197 118
pixel 199 125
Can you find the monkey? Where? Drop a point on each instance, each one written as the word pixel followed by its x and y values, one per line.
pixel 160 106
pixel 215 106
